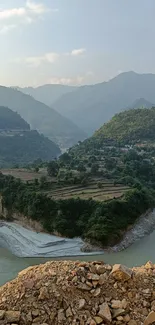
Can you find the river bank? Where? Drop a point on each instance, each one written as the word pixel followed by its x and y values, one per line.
pixel 24 242
pixel 142 227
pixel 28 240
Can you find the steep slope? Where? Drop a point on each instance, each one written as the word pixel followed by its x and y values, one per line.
pixel 10 120
pixel 66 292
pixel 41 117
pixel 131 125
pixel 47 94
pixel 19 145
pixel 91 106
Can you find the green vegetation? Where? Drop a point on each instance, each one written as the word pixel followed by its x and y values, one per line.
pixel 134 125
pixel 99 222
pixel 98 188
pixel 10 120
pixel 24 149
pixel 19 145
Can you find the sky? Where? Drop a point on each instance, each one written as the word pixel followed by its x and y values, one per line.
pixel 74 42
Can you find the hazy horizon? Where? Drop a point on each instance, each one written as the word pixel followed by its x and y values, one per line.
pixel 74 43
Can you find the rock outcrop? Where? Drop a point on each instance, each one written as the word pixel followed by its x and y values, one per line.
pixel 80 293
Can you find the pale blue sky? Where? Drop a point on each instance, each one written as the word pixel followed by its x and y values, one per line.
pixel 74 41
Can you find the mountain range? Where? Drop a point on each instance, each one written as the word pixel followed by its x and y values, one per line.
pixel 68 114
pixel 41 117
pixel 91 106
pixel 47 94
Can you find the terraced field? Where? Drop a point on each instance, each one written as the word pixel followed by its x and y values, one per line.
pixel 107 192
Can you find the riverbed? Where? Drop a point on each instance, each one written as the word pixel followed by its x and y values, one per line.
pixel 137 254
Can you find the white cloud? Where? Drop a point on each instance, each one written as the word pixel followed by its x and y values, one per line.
pixel 35 61
pixel 77 52
pixel 26 14
pixel 50 57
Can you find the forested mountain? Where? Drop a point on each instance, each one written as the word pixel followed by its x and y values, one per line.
pixel 41 117
pixel 136 125
pixel 91 106
pixel 19 145
pixel 47 94
pixel 10 120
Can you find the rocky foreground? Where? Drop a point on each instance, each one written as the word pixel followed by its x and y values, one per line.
pixel 80 293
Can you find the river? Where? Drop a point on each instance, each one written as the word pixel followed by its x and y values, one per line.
pixel 137 254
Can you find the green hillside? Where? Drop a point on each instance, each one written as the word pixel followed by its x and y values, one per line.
pixel 24 148
pixel 130 126
pixel 10 120
pixel 19 145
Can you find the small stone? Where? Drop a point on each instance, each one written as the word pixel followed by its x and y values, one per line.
pixel 93 268
pixel 84 287
pixel 105 313
pixel 100 269
pixel 126 318
pixel 52 315
pixel 2 314
pixel 43 294
pixel 92 322
pixel 144 311
pixel 95 283
pixel 150 318
pixel 132 322
pixel 120 318
pixel 102 279
pixel 116 304
pixel 75 279
pixel 61 315
pixel 35 312
pixel 121 272
pixel 97 292
pixel 82 303
pixel 118 312
pixel 93 277
pixel 149 265
pixel 98 320
pixel 12 316
pixel 69 312
pixel 28 284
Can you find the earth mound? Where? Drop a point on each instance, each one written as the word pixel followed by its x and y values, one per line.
pixel 80 293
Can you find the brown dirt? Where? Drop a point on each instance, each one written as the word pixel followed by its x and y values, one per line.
pixel 79 293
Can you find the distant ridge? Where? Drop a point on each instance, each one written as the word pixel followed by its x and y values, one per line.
pixel 41 117
pixel 91 106
pixel 19 145
pixel 141 103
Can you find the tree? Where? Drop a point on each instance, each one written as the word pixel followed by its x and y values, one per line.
pixel 52 168
pixel 36 169
pixel 94 168
pixel 99 185
pixel 81 168
pixel 43 182
pixel 65 158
